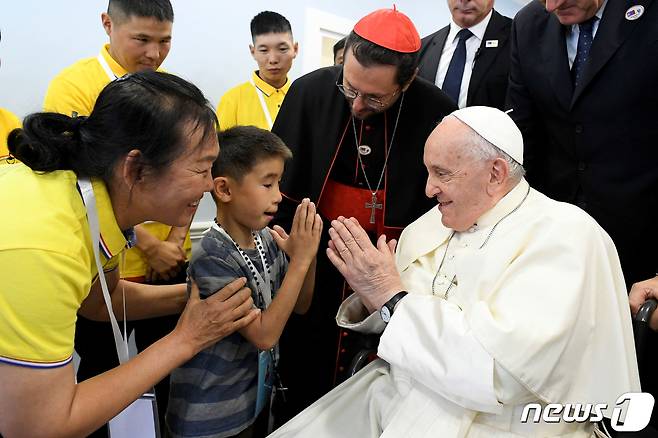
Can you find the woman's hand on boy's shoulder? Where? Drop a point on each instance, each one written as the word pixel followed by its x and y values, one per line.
pixel 305 232
pixel 206 321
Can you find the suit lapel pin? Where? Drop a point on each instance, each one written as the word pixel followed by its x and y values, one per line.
pixel 634 12
pixel 491 43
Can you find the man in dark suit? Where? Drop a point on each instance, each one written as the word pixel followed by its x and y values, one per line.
pixel 477 75
pixel 584 91
pixel 591 126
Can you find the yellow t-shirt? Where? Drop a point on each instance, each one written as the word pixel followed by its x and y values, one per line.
pixel 76 88
pixel 8 122
pixel 241 106
pixel 46 262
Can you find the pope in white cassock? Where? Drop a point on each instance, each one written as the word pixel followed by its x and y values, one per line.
pixel 498 298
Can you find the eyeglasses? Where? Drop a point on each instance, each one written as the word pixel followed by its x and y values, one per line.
pixel 371 102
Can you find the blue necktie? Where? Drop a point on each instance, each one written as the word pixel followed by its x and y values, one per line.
pixel 453 80
pixel 585 38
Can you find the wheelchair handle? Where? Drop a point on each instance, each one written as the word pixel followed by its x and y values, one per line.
pixel 646 310
pixel 642 332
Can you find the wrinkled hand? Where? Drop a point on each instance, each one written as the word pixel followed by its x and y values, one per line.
pixel 304 238
pixel 369 270
pixel 206 321
pixel 165 260
pixel 640 293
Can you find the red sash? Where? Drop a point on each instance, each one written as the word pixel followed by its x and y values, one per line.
pixel 342 200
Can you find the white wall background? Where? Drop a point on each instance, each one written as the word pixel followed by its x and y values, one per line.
pixel 209 48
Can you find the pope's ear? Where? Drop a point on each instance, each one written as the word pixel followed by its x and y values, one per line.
pixel 499 172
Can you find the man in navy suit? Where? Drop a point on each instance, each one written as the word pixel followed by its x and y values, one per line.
pixel 480 75
pixel 584 91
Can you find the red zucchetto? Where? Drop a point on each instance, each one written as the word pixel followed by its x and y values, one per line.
pixel 389 28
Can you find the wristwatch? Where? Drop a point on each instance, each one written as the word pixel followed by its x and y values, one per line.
pixel 387 309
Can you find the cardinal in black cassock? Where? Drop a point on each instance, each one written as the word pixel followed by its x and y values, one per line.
pixel 355 154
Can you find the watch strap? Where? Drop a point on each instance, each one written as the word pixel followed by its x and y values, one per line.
pixel 390 304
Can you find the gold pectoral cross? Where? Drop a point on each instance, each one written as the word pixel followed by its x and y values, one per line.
pixel 372 206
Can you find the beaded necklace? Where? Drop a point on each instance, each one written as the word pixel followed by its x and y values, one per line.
pixel 267 360
pixel 263 286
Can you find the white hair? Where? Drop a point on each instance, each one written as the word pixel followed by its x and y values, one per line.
pixel 481 149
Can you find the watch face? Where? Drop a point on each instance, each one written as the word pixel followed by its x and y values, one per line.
pixel 385 314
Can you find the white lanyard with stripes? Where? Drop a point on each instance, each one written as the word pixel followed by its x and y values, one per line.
pixel 121 342
pixel 140 414
pixel 263 105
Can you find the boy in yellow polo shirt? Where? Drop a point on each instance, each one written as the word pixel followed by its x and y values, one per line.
pixel 257 101
pixel 140 39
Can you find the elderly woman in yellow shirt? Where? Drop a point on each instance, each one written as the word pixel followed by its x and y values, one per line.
pixel 144 153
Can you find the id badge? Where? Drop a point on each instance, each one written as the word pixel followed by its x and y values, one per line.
pixel 265 380
pixel 138 420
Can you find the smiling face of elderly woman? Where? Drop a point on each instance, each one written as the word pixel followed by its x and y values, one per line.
pixel 173 195
pixel 151 137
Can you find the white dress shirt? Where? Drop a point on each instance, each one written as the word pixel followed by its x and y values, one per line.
pixel 472 46
pixel 574 31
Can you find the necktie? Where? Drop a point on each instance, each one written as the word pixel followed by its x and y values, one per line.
pixel 585 38
pixel 453 80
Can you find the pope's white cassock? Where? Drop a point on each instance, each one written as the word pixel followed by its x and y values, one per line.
pixel 529 305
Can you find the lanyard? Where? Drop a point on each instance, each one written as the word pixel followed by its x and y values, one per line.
pixel 265 293
pixel 106 67
pixel 88 198
pixel 268 376
pixel 263 105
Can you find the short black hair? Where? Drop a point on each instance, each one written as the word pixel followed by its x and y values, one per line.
pixel 339 45
pixel 241 148
pixel 269 22
pixel 369 54
pixel 161 10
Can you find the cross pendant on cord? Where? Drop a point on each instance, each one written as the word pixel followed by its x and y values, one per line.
pixel 372 206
